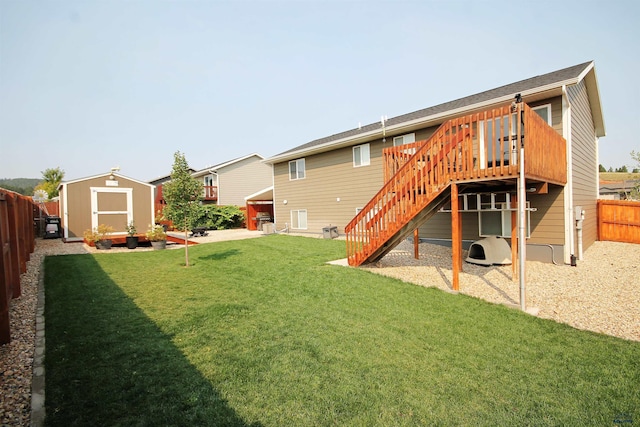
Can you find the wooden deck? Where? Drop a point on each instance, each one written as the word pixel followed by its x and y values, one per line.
pixel 477 150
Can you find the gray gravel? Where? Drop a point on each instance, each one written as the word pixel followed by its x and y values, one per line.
pixel 601 294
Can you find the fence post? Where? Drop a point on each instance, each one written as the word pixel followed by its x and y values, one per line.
pixel 16 241
pixel 6 270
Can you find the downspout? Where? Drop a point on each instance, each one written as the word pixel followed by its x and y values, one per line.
pixel 214 172
pixel 522 204
pixel 569 241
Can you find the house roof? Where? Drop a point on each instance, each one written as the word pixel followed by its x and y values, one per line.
pixel 115 174
pixel 215 168
pixel 165 178
pixel 264 194
pixel 531 89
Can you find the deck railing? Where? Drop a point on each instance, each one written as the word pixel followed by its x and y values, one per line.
pixel 210 192
pixel 475 147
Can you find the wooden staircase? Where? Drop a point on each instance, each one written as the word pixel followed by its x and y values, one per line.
pixel 482 146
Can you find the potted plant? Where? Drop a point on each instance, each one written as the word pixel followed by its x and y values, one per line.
pixel 132 239
pixel 99 236
pixel 157 236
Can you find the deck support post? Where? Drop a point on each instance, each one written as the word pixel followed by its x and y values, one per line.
pixel 456 237
pixel 416 243
pixel 514 239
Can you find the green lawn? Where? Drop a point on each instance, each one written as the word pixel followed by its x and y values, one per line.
pixel 262 332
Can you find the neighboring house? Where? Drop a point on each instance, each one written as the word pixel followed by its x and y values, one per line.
pixel 378 183
pixel 110 199
pixel 618 190
pixel 228 183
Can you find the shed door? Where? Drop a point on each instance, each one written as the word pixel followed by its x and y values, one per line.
pixel 111 206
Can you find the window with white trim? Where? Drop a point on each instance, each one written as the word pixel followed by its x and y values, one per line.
pixel 299 219
pixel 498 222
pixel 543 111
pixel 404 139
pixel 296 169
pixel 361 155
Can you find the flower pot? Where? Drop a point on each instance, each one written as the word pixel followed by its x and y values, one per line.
pixel 159 244
pixel 132 242
pixel 104 244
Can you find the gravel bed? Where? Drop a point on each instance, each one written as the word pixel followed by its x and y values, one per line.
pixel 601 294
pixel 16 358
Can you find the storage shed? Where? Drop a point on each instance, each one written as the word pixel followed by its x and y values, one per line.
pixel 110 199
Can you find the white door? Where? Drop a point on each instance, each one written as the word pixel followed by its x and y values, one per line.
pixel 111 206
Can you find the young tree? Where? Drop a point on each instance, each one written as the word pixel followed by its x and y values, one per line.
pixel 183 195
pixel 51 178
pixel 601 168
pixel 635 192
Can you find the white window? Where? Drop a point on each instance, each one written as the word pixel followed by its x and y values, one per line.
pixel 404 139
pixel 299 219
pixel 296 169
pixel 498 222
pixel 544 111
pixel 361 155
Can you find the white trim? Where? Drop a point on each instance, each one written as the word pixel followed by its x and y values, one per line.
pixel 568 189
pixel 505 217
pixel 65 211
pixel 94 203
pixel 153 204
pixel 117 175
pixel 258 193
pixel 306 220
pixel 363 162
pixel 549 112
pixel 411 137
pixel 297 178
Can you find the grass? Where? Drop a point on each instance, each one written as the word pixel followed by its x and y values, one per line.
pixel 261 332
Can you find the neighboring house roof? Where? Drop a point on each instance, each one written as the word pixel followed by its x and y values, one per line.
pixel 215 168
pixel 117 175
pixel 531 89
pixel 618 186
pixel 165 178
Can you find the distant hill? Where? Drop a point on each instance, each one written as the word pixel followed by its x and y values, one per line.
pixel 618 176
pixel 20 185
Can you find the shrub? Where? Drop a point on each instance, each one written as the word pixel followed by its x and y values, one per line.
pixel 215 217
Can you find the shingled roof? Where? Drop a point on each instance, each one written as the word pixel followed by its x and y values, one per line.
pixel 569 75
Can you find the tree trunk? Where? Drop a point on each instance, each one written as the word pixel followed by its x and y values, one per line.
pixel 186 244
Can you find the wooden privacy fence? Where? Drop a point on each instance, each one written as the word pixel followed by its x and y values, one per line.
pixel 17 240
pixel 619 221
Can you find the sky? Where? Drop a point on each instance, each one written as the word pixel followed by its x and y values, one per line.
pixel 90 85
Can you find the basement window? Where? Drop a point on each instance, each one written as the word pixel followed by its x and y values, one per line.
pixel 299 219
pixel 498 222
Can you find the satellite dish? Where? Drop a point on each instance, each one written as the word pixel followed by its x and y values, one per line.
pixel 40 196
